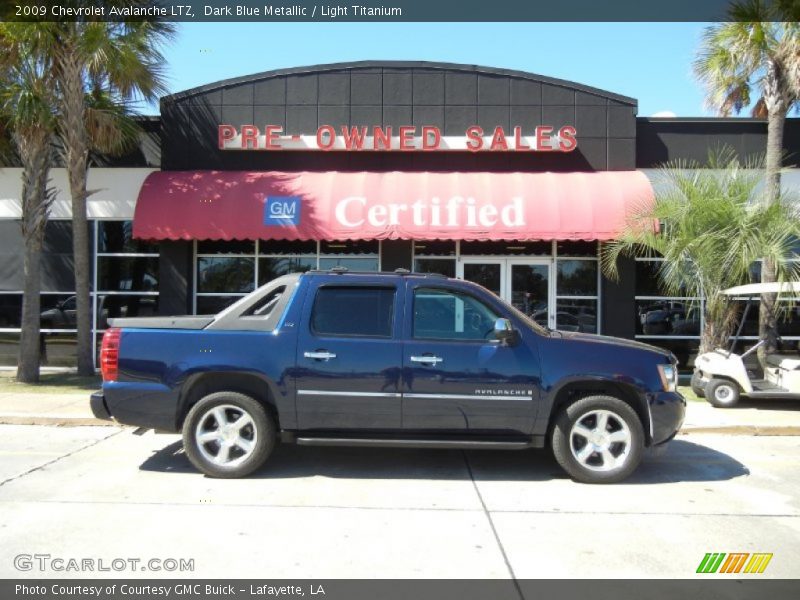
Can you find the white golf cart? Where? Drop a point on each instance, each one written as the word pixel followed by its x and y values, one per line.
pixel 721 376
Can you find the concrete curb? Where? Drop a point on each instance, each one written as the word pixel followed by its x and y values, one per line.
pixel 56 421
pixel 742 430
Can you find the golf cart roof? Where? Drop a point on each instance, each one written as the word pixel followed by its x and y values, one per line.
pixel 756 289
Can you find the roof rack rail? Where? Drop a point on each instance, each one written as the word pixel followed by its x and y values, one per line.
pixel 340 270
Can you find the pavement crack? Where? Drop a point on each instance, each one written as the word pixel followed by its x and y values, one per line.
pixel 494 529
pixel 58 458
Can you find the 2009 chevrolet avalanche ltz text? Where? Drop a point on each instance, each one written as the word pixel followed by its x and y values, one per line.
pixel 386 359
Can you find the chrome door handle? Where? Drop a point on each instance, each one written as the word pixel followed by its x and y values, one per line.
pixel 321 355
pixel 427 360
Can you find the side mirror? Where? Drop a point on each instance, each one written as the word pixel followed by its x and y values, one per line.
pixel 505 333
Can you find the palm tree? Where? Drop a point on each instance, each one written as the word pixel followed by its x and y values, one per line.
pixel 120 63
pixel 713 227
pixel 26 103
pixel 758 52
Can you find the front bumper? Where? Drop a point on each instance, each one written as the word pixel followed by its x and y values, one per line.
pixel 97 402
pixel 667 412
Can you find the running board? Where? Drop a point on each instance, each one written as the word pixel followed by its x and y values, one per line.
pixel 533 442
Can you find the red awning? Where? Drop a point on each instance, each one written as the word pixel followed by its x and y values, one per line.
pixel 226 205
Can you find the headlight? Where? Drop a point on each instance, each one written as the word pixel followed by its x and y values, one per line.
pixel 669 377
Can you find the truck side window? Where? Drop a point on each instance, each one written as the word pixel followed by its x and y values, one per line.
pixel 353 311
pixel 449 315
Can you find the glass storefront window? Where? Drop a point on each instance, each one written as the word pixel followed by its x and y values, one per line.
pixel 10 310
pixel 576 315
pixel 127 273
pixel 685 350
pixel 283 247
pixel 576 278
pixel 111 306
pixel 116 237
pixel 435 248
pixel 584 249
pixel 668 316
pixel 211 305
pixel 647 278
pixel 350 247
pixel 224 247
pixel 225 274
pixel 511 248
pixel 435 265
pixel 352 264
pixel 271 267
pixel 486 274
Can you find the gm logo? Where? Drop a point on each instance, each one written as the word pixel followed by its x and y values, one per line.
pixel 282 210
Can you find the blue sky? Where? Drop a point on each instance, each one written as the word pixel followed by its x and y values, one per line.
pixel 647 61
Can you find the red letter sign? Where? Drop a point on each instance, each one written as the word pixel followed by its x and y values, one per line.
pixel 225 133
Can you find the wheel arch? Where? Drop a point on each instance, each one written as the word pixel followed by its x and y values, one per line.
pixel 572 391
pixel 199 385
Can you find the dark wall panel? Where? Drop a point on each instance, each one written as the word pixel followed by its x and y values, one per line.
pixel 175 268
pixel 618 306
pixel 451 97
pixel 661 140
pixel 395 254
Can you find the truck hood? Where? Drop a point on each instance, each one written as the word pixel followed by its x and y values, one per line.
pixel 612 341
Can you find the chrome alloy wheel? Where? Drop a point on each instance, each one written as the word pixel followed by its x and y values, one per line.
pixel 600 440
pixel 226 435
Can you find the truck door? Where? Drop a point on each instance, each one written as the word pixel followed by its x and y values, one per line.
pixel 349 356
pixel 456 376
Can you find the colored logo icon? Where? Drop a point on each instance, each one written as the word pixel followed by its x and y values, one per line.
pixel 734 562
pixel 283 211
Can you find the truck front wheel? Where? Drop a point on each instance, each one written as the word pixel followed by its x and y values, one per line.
pixel 228 434
pixel 598 439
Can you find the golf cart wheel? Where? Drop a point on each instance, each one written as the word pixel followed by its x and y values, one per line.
pixel 722 393
pixel 697 386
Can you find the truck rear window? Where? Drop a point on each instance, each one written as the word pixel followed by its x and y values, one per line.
pixel 353 311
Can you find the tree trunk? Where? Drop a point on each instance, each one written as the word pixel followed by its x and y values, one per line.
pixel 767 322
pixel 76 151
pixel 719 326
pixel 34 150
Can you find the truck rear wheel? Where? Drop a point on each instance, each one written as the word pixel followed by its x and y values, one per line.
pixel 598 439
pixel 722 393
pixel 228 435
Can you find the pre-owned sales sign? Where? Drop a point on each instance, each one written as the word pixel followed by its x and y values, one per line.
pixel 406 138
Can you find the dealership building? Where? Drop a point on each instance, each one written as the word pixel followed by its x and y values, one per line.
pixel 506 178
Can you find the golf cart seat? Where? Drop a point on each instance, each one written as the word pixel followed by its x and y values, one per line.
pixel 789 362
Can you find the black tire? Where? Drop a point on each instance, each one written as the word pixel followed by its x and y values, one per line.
pixel 722 393
pixel 260 432
pixel 697 385
pixel 583 411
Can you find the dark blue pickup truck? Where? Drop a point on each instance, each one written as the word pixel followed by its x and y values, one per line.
pixel 386 359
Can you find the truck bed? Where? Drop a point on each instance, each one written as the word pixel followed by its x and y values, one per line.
pixel 190 322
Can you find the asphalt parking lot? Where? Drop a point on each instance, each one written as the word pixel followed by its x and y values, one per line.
pixel 102 492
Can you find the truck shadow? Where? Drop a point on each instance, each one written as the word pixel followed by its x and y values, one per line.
pixel 682 461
